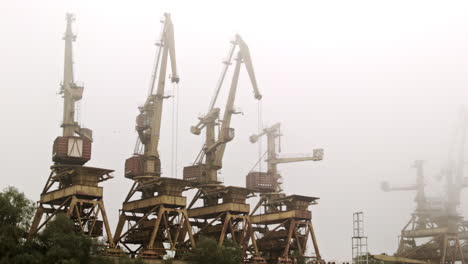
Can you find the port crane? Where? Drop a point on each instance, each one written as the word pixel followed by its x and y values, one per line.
pixel 156 219
pixel 224 212
pixel 73 189
pixel 285 225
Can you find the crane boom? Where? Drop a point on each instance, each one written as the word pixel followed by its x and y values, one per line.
pixel 272 133
pixel 242 56
pixel 299 159
pixel 419 187
pixel 150 118
pixel 215 146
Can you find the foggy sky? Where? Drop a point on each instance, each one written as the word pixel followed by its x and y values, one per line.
pixel 377 84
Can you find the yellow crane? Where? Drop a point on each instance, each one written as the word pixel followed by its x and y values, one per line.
pixel 72 188
pixel 224 212
pixel 210 160
pixel 153 219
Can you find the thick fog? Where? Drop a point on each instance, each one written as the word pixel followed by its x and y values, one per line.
pixel 376 84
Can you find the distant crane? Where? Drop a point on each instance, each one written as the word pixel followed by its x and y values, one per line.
pixel 437 228
pixel 455 174
pixel 419 187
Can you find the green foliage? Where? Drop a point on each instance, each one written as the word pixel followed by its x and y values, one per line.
pixel 126 260
pixel 57 244
pixel 208 252
pixel 15 215
pixel 65 246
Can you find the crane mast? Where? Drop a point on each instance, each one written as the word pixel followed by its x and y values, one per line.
pixel 215 147
pixel 456 180
pixel 149 120
pixel 71 92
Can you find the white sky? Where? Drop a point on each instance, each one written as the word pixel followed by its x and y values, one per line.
pixel 377 84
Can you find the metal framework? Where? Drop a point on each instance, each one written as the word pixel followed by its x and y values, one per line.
pixel 284 228
pixel 433 232
pixel 285 224
pixel 157 223
pixel 223 213
pixel 360 251
pixel 73 189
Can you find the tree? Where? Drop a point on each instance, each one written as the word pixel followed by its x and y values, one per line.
pixel 64 246
pixel 15 216
pixel 57 244
pixel 208 252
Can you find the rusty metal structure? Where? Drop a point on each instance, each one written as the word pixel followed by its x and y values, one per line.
pixel 436 232
pixel 432 232
pixel 153 220
pixel 222 211
pixel 284 226
pixel 73 189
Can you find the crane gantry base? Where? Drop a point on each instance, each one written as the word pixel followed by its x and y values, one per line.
pixel 73 190
pixel 440 235
pixel 225 215
pixel 159 217
pixel 284 227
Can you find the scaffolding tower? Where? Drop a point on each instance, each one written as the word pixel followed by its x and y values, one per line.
pixel 360 251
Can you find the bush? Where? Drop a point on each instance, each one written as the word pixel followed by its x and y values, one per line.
pixel 208 252
pixel 15 215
